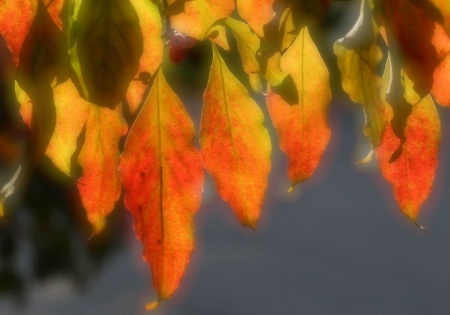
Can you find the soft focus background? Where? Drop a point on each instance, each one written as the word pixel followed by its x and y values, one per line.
pixel 336 245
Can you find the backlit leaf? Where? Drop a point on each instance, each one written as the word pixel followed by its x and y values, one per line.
pixel 441 75
pixel 302 128
pixel 256 13
pixel 413 29
pixel 413 171
pixel 71 115
pixel 412 174
pixel 99 187
pixel 150 23
pixel 235 145
pixel 358 56
pixel 162 174
pixel 108 46
pixel 197 16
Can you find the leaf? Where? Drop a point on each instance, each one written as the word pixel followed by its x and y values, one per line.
pixel 162 174
pixel 256 13
pixel 71 116
pixel 234 143
pixel 441 75
pixel 358 56
pixel 150 21
pixel 413 29
pixel 15 27
pixel 412 174
pixel 197 16
pixel 218 35
pixel 108 44
pixel 99 186
pixel 413 171
pixel 443 7
pixel 302 128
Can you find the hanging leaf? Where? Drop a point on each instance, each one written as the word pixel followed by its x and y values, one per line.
pixel 256 19
pixel 107 45
pixel 235 145
pixel 358 56
pixel 441 75
pixel 413 29
pixel 413 172
pixel 195 17
pixel 162 174
pixel 150 22
pixel 248 45
pixel 302 128
pixel 71 115
pixel 15 27
pixel 99 186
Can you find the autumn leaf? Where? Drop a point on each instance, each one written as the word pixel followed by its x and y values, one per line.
pixel 195 17
pixel 162 174
pixel 302 128
pixel 71 116
pixel 248 45
pixel 413 29
pixel 413 172
pixel 358 56
pixel 150 21
pixel 105 48
pixel 99 186
pixel 441 75
pixel 15 27
pixel 256 19
pixel 234 143
pixel 443 7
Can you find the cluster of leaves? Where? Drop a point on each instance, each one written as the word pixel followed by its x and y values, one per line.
pixel 80 63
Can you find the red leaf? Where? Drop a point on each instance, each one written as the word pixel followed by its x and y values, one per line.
pixel 412 174
pixel 162 174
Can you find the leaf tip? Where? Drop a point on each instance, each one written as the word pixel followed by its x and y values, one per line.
pixel 152 305
pixel 98 226
pixel 2 208
pixel 367 158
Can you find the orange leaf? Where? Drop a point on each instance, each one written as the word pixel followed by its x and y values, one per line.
pixel 162 174
pixel 15 27
pixel 197 16
pixel 99 187
pixel 150 23
pixel 235 145
pixel 412 173
pixel 256 13
pixel 302 128
pixel 441 75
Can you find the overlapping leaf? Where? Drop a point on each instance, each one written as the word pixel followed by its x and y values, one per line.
pixel 302 128
pixel 195 17
pixel 235 145
pixel 256 13
pixel 441 75
pixel 413 28
pixel 358 56
pixel 150 23
pixel 105 49
pixel 99 187
pixel 162 174
pixel 413 172
pixel 15 27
